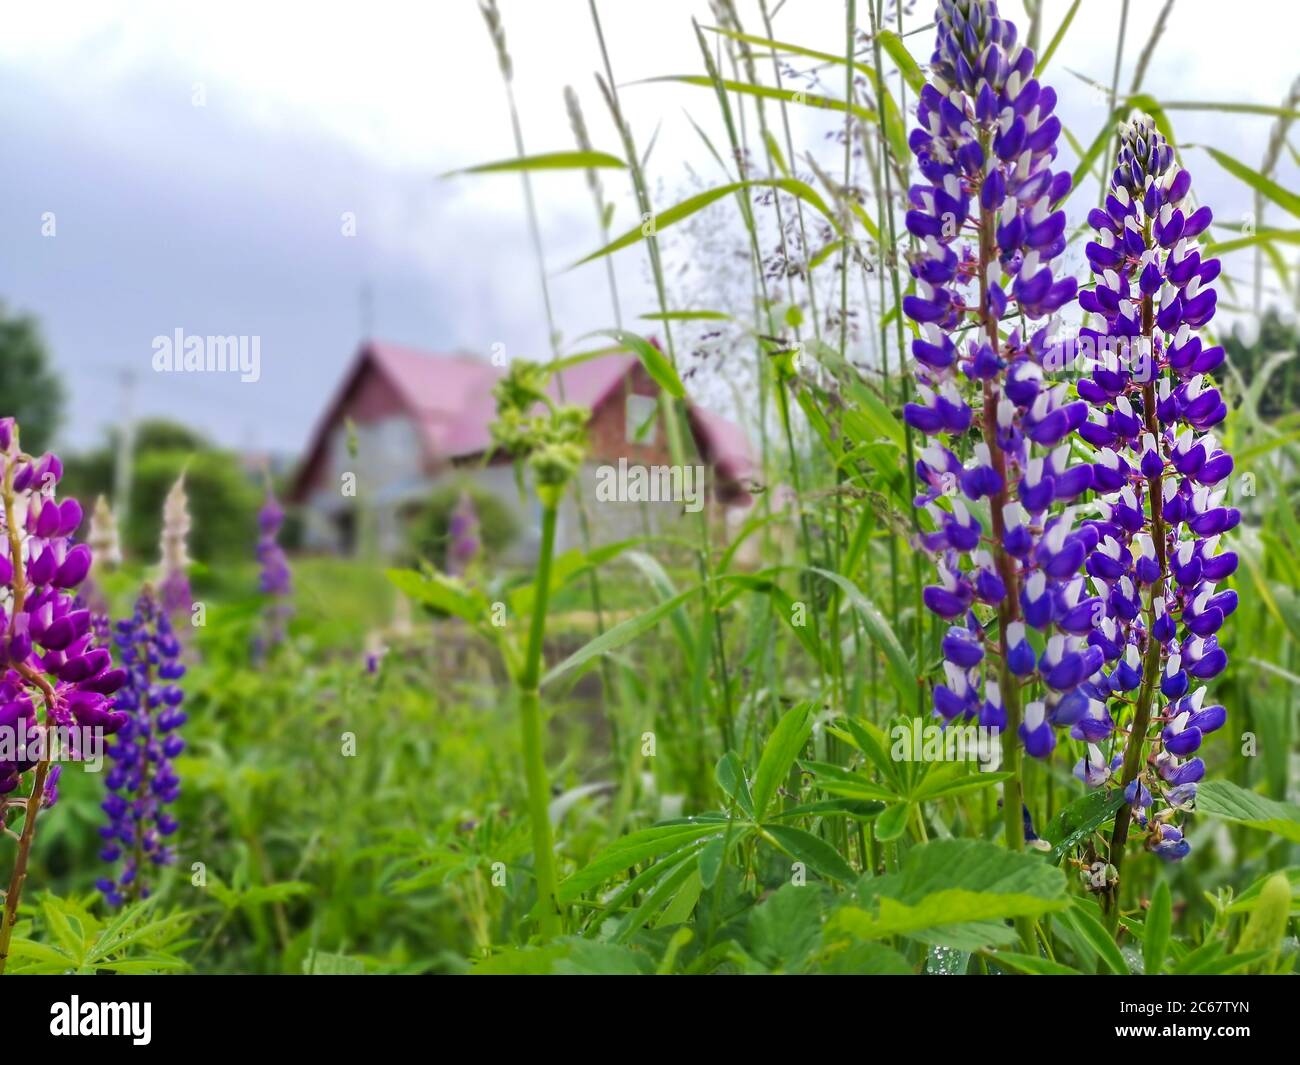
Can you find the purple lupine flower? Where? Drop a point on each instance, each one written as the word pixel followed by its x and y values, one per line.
pixel 985 215
pixel 142 782
pixel 274 580
pixel 48 651
pixel 463 543
pixel 1159 471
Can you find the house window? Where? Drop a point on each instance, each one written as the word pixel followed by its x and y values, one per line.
pixel 641 419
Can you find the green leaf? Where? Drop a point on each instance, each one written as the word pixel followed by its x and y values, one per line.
pixel 701 200
pixel 1080 819
pixel 1266 187
pixel 954 780
pixel 730 775
pixel 907 66
pixel 712 856
pixel 632 849
pixel 785 929
pixel 893 822
pixel 1267 924
pixel 955 892
pixel 1027 963
pixel 683 905
pixel 782 748
pixel 812 850
pixel 1155 938
pixel 1087 925
pixel 899 667
pixel 687 316
pixel 442 593
pixel 1057 37
pixel 622 633
pixel 836 780
pixel 656 363
pixel 1267 237
pixel 1222 798
pixel 575 160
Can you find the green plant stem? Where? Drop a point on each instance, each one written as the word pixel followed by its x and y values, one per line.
pixel 1134 753
pixel 530 718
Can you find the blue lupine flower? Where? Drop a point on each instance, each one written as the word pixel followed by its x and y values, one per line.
pixel 142 782
pixel 985 215
pixel 1158 468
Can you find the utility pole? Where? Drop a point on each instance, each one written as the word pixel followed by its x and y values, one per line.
pixel 125 450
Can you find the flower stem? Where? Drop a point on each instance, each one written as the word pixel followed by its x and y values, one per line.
pixel 19 875
pixel 530 711
pixel 1009 608
pixel 1134 752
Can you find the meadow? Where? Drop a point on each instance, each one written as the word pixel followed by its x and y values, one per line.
pixel 848 734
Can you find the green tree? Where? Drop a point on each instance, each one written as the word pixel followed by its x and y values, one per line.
pixel 32 392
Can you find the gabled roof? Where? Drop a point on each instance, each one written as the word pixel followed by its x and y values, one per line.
pixel 449 397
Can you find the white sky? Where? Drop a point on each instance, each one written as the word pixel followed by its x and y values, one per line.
pixel 225 218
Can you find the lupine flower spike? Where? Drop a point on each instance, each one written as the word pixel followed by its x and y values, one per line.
pixel 142 782
pixel 985 215
pixel 106 551
pixel 463 544
pixel 48 649
pixel 174 585
pixel 1161 476
pixel 275 580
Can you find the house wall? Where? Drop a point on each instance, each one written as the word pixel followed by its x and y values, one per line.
pixel 393 476
pixel 387 474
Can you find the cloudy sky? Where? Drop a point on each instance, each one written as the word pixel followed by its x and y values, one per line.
pixel 199 162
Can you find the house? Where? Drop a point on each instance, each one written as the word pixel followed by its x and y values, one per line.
pixel 404 422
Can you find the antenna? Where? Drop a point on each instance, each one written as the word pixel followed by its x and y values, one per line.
pixel 366 306
pixel 125 449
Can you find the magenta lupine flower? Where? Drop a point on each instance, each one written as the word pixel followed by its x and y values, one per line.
pixel 986 217
pixel 142 782
pixel 463 544
pixel 47 649
pixel 1160 473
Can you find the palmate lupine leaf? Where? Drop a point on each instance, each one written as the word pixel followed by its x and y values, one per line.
pixel 782 748
pixel 813 851
pixel 954 892
pixel 635 848
pixel 1222 798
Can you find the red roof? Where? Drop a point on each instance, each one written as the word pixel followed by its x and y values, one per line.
pixel 450 398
